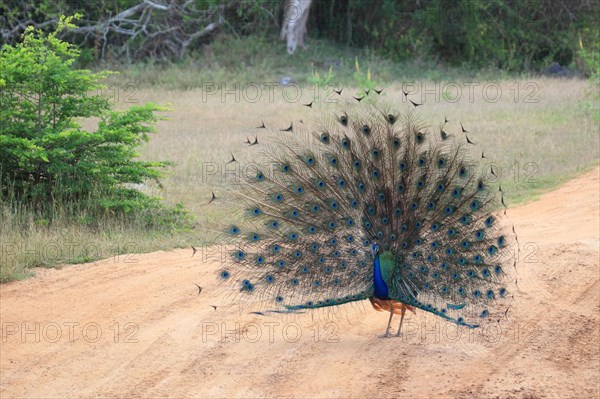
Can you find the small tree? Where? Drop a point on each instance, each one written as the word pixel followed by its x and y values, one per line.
pixel 45 155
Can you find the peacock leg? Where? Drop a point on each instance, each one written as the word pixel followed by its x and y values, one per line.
pixel 401 320
pixel 387 330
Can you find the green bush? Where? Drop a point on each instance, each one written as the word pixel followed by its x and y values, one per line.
pixel 45 154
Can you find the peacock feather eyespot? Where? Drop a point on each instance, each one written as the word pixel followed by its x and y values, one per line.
pixel 297 254
pixel 285 168
pixel 281 263
pixel 441 188
pixel 361 187
pixel 370 209
pixel 498 269
pixel 485 273
pixel 501 241
pixel 269 279
pixel 343 265
pixel 353 203
pixel 294 213
pixel 478 259
pixel 465 244
pixel 480 185
pixel 492 250
pixel 279 299
pixel 233 230
pixel 418 225
pixel 471 274
pixel 375 153
pixel 449 251
pixel 489 294
pixel 311 229
pixel 451 232
pixel 343 120
pixel 400 188
pixel 304 270
pixel 333 204
pixel 260 176
pixel 444 266
pixel 456 193
pixel 396 143
pixel 341 183
pixel 462 172
pixel 397 212
pixel 254 237
pixel 391 119
pixel 404 227
pixel 480 234
pixel 465 219
pixel 449 210
pixel 414 205
pixel 463 261
pixel 331 225
pixel 350 238
pixel 502 292
pixel 384 220
pixel 489 221
pixel 420 137
pixel 259 260
pixel 442 163
pixel 275 249
pixel 420 184
pixel 325 138
pixel 475 204
pixel 278 197
pixel 375 174
pixel 356 164
pixel 345 143
pixel 274 224
pixel 224 274
pixel 422 161
pixel 350 222
pixel 367 224
pixel 402 166
pixel 476 294
pixel 434 244
pixel 431 205
pixel 295 281
pixel 299 190
pixel 333 161
pixel 255 211
pixel 366 130
pixel 309 160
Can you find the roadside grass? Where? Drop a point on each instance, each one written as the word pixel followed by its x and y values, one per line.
pixel 535 132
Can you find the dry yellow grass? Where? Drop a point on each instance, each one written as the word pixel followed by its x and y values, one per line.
pixel 534 142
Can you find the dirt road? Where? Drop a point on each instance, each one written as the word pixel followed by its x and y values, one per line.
pixel 136 326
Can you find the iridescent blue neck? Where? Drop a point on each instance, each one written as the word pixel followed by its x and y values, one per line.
pixel 381 288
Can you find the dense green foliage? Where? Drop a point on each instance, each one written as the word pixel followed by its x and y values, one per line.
pixel 507 34
pixel 45 154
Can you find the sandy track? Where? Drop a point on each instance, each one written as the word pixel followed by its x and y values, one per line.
pixel 159 338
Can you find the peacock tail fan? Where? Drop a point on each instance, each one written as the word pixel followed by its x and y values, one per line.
pixel 369 176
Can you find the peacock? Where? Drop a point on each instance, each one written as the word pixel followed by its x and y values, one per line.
pixel 369 203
